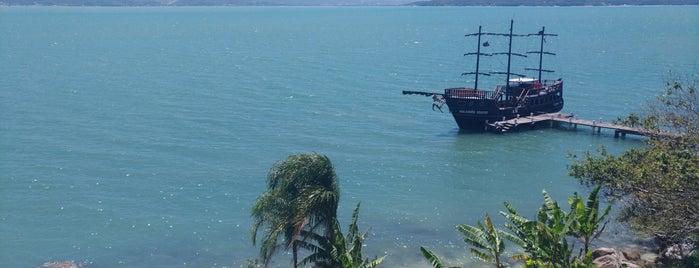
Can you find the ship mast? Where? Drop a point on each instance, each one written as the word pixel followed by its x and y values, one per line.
pixel 478 55
pixel 509 58
pixel 541 52
pixel 509 54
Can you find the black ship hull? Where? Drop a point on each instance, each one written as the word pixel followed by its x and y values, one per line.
pixel 473 109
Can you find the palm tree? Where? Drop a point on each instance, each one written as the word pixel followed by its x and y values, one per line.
pixel 274 212
pixel 300 202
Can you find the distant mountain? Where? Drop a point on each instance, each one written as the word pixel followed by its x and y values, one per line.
pixel 344 2
pixel 552 2
pixel 204 2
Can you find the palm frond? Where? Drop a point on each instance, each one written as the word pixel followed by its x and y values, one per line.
pixel 521 257
pixel 513 238
pixel 376 261
pixel 482 255
pixel 431 258
pixel 593 206
pixel 494 240
pixel 473 235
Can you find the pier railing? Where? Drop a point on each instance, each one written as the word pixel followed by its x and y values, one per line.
pixel 571 121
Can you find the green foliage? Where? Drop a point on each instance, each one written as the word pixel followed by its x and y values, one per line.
pixel 432 258
pixel 588 218
pixel 544 240
pixel 252 263
pixel 300 204
pixel 689 261
pixel 658 183
pixel 340 251
pixel 484 237
pixel 659 189
pixel 350 249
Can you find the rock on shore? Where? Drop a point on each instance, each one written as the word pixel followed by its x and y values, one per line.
pixel 612 258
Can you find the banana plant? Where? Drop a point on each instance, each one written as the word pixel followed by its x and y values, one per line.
pixel 351 254
pixel 432 258
pixel 341 251
pixel 544 240
pixel 587 224
pixel 485 239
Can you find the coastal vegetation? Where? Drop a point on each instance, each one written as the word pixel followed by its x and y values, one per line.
pixel 657 185
pixel 547 241
pixel 299 212
pixel 485 239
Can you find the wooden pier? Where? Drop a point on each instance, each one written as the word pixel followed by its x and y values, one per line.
pixel 571 121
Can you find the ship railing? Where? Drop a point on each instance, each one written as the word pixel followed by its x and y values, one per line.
pixel 522 97
pixel 546 86
pixel 469 93
pixel 498 91
pixel 548 83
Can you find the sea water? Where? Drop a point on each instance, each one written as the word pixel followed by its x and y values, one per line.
pixel 141 137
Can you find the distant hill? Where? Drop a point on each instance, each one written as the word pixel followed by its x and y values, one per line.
pixel 204 2
pixel 552 2
pixel 344 2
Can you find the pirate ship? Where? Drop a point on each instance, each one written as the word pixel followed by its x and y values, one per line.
pixel 474 108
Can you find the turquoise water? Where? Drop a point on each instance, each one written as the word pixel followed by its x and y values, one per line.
pixel 140 137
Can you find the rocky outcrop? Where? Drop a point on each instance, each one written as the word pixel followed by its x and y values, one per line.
pixel 679 251
pixel 63 264
pixel 612 258
pixel 632 254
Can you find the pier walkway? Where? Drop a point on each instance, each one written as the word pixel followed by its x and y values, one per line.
pixel 569 119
